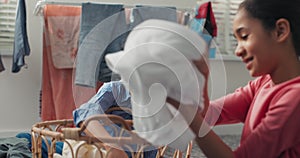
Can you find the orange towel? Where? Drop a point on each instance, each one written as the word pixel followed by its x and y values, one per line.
pixel 59 94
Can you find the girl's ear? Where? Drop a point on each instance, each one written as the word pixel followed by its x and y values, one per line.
pixel 282 30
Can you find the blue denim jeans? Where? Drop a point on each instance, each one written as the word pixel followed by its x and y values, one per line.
pixel 21 44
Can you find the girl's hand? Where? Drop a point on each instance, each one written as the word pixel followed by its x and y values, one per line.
pixel 191 113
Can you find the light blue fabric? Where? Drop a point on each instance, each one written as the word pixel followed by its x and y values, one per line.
pixel 91 65
pixel 96 34
pixel 21 44
pixel 110 94
pixel 198 26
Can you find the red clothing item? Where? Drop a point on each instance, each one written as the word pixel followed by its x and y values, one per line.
pixel 270 113
pixel 60 96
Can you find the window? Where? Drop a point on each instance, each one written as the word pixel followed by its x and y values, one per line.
pixel 224 11
pixel 7 26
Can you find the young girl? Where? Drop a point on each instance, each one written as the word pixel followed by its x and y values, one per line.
pixel 268 35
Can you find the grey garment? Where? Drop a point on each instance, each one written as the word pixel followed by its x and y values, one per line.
pixel 142 13
pixel 91 65
pixel 21 44
pixel 105 74
pixel 14 147
pixel 1 65
pixel 110 24
pixel 139 14
pixel 92 14
pixel 186 18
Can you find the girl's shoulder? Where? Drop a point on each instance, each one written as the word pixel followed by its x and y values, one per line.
pixel 260 82
pixel 265 81
pixel 287 91
pixel 290 84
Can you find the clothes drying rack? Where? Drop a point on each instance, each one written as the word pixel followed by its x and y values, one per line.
pixel 38 10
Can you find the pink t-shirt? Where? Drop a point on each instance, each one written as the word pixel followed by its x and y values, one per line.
pixel 271 117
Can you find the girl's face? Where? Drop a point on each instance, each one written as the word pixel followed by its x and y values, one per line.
pixel 255 44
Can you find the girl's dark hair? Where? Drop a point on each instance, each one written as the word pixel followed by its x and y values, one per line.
pixel 269 11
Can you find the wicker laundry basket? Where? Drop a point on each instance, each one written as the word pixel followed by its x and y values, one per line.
pixel 63 130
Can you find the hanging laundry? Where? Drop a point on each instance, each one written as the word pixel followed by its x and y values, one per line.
pixel 204 24
pixel 103 29
pixel 63 25
pixel 205 12
pixel 1 65
pixel 183 17
pixel 93 14
pixel 21 44
pixel 59 94
pixel 104 39
pixel 127 14
pixel 142 13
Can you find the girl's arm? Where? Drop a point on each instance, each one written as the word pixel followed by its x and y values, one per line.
pixel 210 143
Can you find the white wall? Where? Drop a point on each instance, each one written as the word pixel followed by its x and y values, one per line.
pixel 19 92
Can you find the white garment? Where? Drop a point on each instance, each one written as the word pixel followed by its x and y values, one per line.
pixel 56 155
pixel 85 150
pixel 156 63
